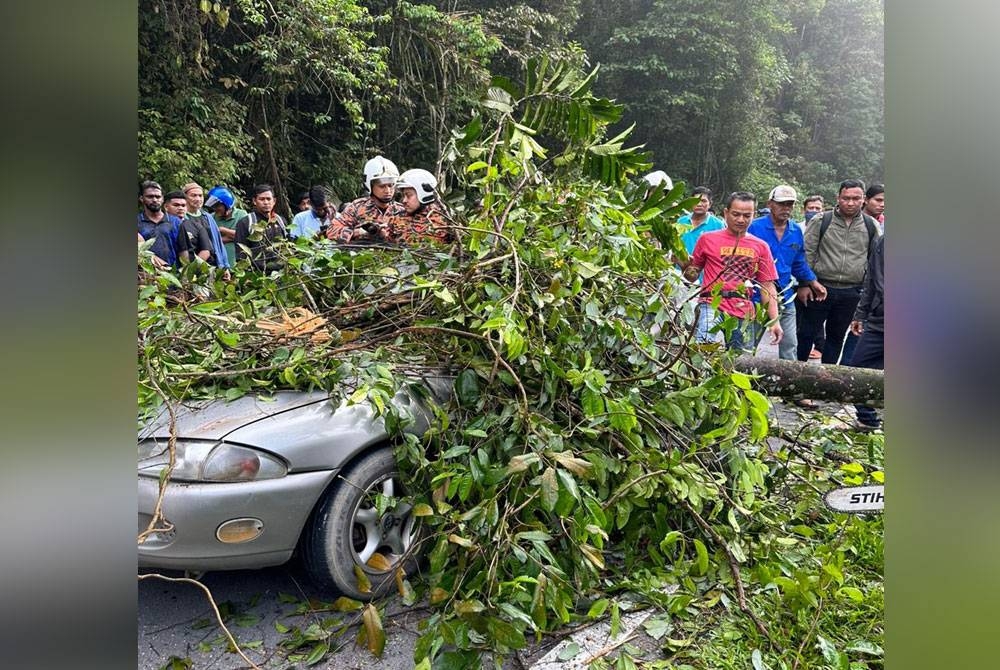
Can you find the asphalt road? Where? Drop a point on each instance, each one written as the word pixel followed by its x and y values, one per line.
pixel 176 620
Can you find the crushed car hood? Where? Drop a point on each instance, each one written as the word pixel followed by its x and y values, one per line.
pixel 215 419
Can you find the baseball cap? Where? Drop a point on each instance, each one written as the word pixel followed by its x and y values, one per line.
pixel 783 193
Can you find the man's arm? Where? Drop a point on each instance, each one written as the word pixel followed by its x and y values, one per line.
pixel 342 228
pixel 693 266
pixel 864 307
pixel 769 298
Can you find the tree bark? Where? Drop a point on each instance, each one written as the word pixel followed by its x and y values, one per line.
pixel 794 379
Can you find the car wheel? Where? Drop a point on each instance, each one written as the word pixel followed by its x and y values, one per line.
pixel 363 524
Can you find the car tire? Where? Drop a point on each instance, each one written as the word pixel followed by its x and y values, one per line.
pixel 346 530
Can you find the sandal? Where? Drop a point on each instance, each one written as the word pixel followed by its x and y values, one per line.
pixel 806 403
pixel 815 353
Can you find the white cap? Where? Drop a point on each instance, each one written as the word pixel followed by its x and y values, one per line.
pixel 783 193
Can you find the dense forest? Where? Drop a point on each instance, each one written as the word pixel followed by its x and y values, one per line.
pixel 740 94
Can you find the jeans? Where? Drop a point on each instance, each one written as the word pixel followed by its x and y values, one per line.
pixel 788 347
pixel 706 318
pixel 870 353
pixel 836 311
pixel 744 335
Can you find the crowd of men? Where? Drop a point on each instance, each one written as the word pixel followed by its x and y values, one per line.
pixel 183 224
pixel 819 284
pixel 816 287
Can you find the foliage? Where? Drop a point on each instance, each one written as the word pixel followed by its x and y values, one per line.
pixel 749 94
pixel 300 92
pixel 591 451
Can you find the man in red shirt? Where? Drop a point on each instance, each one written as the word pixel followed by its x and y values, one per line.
pixel 733 262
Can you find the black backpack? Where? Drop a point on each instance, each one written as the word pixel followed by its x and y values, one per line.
pixel 828 219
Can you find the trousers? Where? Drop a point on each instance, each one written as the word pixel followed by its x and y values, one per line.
pixel 836 312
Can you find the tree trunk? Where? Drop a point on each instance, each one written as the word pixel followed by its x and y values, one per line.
pixel 794 379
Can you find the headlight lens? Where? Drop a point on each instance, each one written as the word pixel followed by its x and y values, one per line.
pixel 209 462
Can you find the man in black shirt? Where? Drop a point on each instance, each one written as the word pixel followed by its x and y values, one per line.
pixel 195 241
pixel 266 227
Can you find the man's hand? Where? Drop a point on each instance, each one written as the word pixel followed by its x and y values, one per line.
pixel 818 291
pixel 776 332
pixel 804 294
pixel 857 327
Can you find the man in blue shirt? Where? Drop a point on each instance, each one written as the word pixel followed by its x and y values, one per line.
pixel 699 220
pixel 788 247
pixel 155 223
pixel 313 221
pixel 693 226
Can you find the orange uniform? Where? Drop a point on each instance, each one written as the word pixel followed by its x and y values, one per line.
pixel 362 213
pixel 430 222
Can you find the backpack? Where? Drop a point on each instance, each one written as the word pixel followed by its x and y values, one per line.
pixel 828 219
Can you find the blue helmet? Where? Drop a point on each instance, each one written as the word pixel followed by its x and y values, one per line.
pixel 220 194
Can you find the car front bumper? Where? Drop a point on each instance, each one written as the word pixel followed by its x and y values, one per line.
pixel 197 510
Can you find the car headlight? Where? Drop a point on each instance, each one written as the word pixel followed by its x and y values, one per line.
pixel 197 461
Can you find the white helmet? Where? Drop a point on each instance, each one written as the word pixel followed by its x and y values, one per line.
pixel 658 177
pixel 421 181
pixel 379 168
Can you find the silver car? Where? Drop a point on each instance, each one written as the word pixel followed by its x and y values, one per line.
pixel 256 479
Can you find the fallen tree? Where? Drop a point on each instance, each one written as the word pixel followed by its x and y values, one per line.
pixel 795 379
pixel 580 456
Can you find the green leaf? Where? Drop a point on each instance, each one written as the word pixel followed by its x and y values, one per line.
pixel 228 339
pixel 865 647
pixel 852 593
pixel 345 604
pixel 577 466
pixel 521 462
pixel 317 653
pixel 741 380
pixel 467 387
pixel 464 607
pixel 598 608
pixel 569 651
pixel 569 483
pixel 592 401
pixel 234 393
pixel 588 270
pixel 658 626
pixel 532 536
pixel 506 634
pixel 550 489
pixel 458 450
pixel 701 562
pixel 461 541
pixel 828 650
